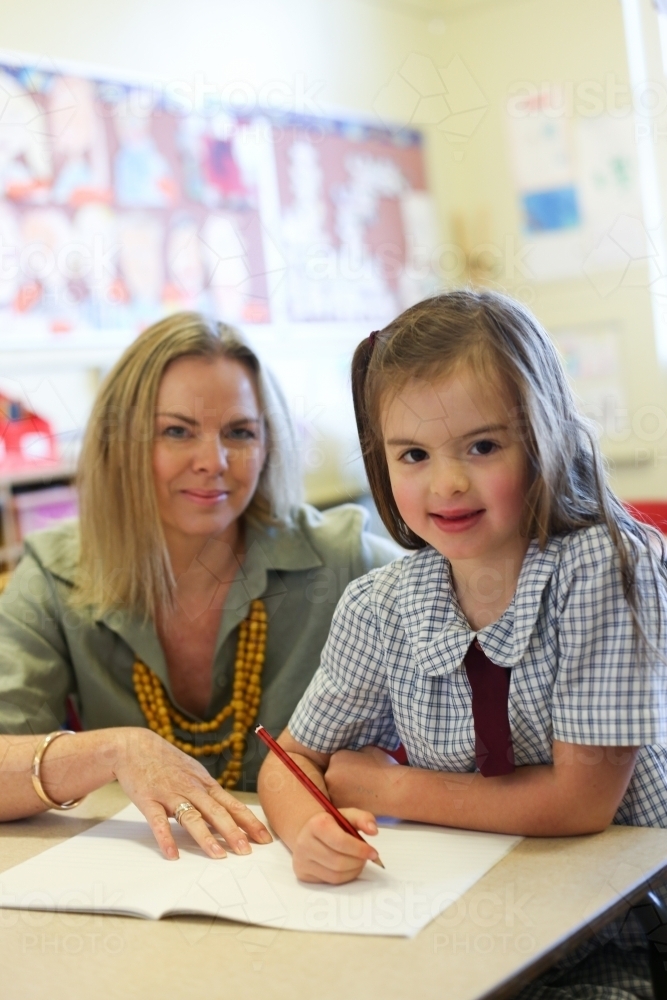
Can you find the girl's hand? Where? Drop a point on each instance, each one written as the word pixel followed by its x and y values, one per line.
pixel 158 777
pixel 362 778
pixel 323 852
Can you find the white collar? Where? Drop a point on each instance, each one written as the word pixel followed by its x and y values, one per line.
pixel 439 632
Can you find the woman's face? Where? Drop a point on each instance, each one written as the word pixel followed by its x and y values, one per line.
pixel 209 445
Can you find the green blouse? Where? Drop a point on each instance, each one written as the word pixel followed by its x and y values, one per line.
pixel 49 650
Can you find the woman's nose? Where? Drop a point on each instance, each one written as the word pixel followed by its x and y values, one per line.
pixel 211 455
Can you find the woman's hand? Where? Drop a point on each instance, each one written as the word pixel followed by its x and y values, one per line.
pixel 362 778
pixel 158 778
pixel 323 852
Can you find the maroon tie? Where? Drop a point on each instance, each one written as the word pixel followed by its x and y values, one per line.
pixel 494 753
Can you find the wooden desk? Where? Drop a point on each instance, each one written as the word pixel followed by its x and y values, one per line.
pixel 540 901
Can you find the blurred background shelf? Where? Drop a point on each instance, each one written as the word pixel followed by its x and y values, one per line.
pixel 32 498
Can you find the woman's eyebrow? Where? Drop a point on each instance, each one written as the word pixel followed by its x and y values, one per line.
pixel 180 416
pixel 243 420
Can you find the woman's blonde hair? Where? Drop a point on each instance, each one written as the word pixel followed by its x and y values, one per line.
pixel 124 560
pixel 503 341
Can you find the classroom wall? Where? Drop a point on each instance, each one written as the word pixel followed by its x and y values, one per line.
pixel 375 58
pixel 574 43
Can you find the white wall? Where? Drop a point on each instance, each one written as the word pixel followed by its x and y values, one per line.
pixel 572 42
pixel 342 54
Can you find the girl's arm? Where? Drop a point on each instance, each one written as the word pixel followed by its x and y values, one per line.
pixel 154 774
pixel 321 850
pixel 579 793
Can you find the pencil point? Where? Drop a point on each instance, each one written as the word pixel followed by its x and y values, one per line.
pixel 377 861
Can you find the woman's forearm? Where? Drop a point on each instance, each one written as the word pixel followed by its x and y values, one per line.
pixel 71 767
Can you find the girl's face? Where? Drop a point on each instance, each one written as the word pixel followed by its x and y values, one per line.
pixel 209 445
pixel 457 467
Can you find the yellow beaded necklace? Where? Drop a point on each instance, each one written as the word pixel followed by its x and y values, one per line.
pixel 161 715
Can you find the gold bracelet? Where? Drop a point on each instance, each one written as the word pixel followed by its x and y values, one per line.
pixel 37 763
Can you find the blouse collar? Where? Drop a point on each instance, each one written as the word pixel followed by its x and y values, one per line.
pixel 437 628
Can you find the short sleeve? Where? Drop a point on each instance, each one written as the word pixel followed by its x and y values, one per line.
pixel 347 704
pixel 35 673
pixel 610 689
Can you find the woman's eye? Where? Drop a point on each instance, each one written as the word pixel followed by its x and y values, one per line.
pixel 483 448
pixel 414 455
pixel 240 434
pixel 176 432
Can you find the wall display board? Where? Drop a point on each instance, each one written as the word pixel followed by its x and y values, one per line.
pixel 120 202
pixel 577 185
pixel 592 358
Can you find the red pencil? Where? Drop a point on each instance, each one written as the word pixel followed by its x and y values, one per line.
pixel 301 776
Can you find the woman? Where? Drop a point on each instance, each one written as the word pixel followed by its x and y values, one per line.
pixel 193 597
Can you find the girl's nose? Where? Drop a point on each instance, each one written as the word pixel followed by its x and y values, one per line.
pixel 449 478
pixel 211 455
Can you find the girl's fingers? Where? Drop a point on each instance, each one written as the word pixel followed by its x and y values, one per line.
pixel 362 820
pixel 315 872
pixel 326 830
pixel 159 824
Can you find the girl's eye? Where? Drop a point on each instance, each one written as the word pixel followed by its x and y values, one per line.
pixel 483 448
pixel 414 455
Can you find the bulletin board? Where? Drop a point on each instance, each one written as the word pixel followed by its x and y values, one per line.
pixel 121 202
pixel 577 185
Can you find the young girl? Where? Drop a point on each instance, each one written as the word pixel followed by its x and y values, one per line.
pixel 518 655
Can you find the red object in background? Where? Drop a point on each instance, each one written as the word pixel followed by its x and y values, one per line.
pixel 652 512
pixel 25 438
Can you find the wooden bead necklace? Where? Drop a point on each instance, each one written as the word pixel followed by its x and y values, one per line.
pixel 161 715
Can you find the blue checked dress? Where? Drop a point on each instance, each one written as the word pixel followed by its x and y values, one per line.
pixel 392 671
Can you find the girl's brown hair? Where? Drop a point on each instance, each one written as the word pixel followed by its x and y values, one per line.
pixel 502 340
pixel 124 560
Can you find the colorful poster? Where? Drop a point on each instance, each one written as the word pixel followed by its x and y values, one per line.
pixel 358 228
pixel 119 203
pixel 577 186
pixel 117 208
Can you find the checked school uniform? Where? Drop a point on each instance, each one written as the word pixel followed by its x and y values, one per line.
pixel 393 671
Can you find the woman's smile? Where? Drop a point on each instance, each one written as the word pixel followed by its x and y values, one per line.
pixel 205 498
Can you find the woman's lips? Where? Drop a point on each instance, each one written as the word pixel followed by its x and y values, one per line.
pixel 206 498
pixel 457 521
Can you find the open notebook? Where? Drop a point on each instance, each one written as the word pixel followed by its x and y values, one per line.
pixel 116 867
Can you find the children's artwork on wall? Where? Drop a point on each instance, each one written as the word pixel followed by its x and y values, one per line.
pixel 592 359
pixel 544 166
pixel 352 251
pixel 119 204
pixel 576 177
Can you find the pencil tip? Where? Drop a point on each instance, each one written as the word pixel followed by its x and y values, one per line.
pixel 377 861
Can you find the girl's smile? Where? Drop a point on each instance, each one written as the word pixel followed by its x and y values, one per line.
pixel 453 521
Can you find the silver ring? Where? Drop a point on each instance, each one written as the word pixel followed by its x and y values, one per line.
pixel 181 808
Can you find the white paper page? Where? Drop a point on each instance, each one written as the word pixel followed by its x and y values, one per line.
pixel 116 867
